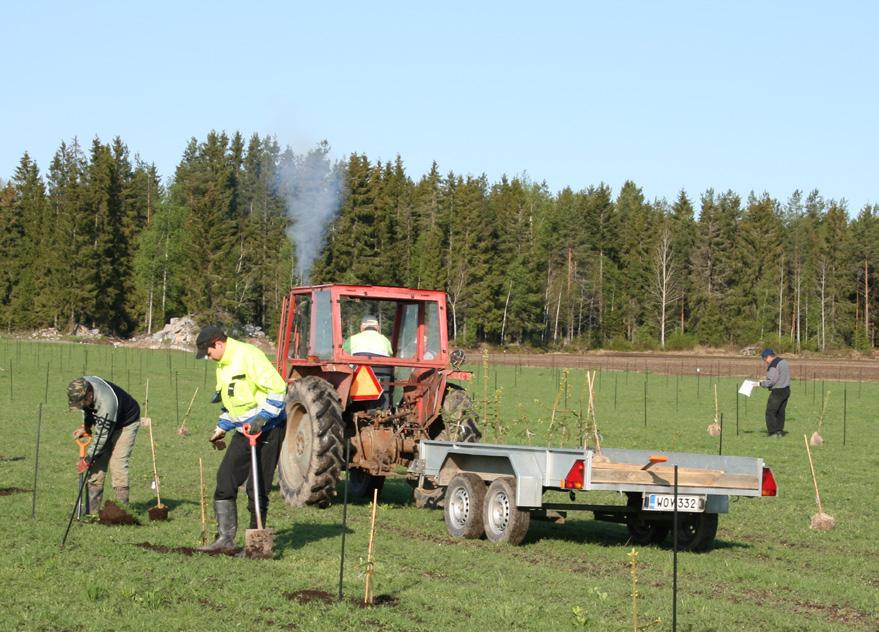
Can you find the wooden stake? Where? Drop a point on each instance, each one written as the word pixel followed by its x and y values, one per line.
pixel 146 399
pixel 182 429
pixel 716 405
pixel 146 407
pixel 370 563
pixel 814 478
pixel 203 502
pixel 820 521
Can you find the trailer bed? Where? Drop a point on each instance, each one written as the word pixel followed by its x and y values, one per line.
pixel 704 484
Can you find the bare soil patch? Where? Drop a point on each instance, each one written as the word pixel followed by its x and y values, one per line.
pixel 321 596
pixel 9 491
pixel 310 596
pixel 183 550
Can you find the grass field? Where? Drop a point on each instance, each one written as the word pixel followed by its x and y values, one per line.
pixel 768 570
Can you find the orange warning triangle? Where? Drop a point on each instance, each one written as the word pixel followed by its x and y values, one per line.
pixel 365 385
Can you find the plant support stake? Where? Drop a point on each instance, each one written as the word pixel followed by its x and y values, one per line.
pixel 36 461
pixel 344 516
pixel 674 548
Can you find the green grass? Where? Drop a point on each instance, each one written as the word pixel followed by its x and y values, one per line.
pixel 768 571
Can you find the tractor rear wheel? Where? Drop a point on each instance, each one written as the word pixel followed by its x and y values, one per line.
pixel 311 455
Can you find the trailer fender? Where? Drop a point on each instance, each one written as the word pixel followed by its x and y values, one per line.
pixel 522 467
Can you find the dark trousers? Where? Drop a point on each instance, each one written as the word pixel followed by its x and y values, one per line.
pixel 775 406
pixel 235 468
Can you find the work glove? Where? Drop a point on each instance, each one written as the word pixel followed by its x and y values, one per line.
pixel 217 439
pixel 255 425
pixel 82 466
pixel 80 432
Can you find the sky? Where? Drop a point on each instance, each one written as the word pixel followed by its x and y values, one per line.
pixel 742 96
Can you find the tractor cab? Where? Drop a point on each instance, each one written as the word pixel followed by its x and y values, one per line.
pixel 319 322
pixel 365 411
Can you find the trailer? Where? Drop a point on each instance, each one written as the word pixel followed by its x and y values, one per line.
pixel 495 490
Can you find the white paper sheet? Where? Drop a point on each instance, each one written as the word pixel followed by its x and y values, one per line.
pixel 747 386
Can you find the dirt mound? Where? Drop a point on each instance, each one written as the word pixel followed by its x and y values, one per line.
pixel 113 514
pixel 158 513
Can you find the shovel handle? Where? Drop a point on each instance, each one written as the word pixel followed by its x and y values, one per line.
pixel 83 443
pixel 251 438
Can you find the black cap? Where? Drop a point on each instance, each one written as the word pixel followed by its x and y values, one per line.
pixel 767 352
pixel 206 337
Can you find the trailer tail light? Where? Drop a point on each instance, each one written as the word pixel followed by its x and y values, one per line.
pixel 574 479
pixel 769 487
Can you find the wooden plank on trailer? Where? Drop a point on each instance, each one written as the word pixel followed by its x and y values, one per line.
pixel 614 473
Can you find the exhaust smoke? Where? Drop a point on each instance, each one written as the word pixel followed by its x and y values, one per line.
pixel 312 189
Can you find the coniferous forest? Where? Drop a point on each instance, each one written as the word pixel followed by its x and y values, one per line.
pixel 98 239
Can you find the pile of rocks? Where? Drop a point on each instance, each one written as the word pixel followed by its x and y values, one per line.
pixel 49 333
pixel 180 334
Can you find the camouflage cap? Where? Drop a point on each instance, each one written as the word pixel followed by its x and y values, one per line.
pixel 77 391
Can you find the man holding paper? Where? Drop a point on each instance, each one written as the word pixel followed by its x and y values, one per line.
pixel 778 382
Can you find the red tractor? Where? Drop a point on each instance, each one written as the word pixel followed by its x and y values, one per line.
pixel 372 407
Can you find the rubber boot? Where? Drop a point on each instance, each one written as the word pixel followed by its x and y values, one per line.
pixel 227 527
pixel 121 494
pixel 96 495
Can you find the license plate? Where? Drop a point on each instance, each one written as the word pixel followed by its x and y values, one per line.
pixel 666 502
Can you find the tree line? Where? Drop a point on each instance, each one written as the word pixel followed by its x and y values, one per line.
pixel 100 241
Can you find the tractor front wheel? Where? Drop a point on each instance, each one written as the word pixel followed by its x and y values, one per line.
pixel 311 455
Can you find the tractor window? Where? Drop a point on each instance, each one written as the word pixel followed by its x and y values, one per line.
pixel 353 309
pixel 407 342
pixel 301 334
pixel 432 344
pixel 323 330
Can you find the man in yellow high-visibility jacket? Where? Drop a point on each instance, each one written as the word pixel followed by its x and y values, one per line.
pixel 253 393
pixel 370 340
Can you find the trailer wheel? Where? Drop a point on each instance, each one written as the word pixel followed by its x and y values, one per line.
pixel 463 511
pixel 363 483
pixel 643 531
pixel 696 531
pixel 504 521
pixel 311 455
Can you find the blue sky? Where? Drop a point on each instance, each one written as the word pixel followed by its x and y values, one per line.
pixel 772 96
